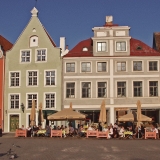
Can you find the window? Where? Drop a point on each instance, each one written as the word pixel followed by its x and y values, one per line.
pixel 25 56
pixel 30 99
pixel 102 89
pixel 85 49
pixel 14 77
pixel 137 89
pixel 137 66
pixel 14 101
pixel 121 66
pixel 70 90
pixel 70 67
pixel 86 67
pixel 32 78
pixel 86 90
pixel 33 40
pixel 121 46
pixel 101 66
pixel 101 46
pixel 41 55
pixel 153 66
pixel 121 89
pixel 50 78
pixel 50 100
pixel 153 88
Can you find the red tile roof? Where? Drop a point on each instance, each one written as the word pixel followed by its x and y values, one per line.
pixel 5 43
pixel 144 51
pixel 137 48
pixel 77 50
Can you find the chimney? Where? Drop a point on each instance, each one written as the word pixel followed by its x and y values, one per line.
pixel 109 20
pixel 62 43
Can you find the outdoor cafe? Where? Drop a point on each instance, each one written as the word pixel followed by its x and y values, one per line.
pixel 129 126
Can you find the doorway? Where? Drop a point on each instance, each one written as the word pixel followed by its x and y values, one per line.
pixel 14 122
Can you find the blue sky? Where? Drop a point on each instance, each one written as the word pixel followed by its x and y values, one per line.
pixel 74 19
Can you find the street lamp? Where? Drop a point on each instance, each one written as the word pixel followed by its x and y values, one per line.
pixel 22 107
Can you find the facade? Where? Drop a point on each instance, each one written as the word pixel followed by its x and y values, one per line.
pixel 33 71
pixel 112 66
pixel 5 45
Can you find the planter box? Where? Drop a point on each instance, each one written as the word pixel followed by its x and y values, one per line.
pixel 21 133
pixel 56 133
pixel 92 133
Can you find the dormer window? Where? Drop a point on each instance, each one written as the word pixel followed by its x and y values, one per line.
pixel 139 48
pixel 85 49
pixel 33 41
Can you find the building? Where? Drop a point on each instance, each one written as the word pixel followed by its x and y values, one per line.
pixel 5 45
pixel 113 66
pixel 33 71
pixel 156 41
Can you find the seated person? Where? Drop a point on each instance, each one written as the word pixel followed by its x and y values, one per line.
pixel 115 133
pixel 121 132
pixel 154 129
pixel 23 128
pixel 35 130
pixel 71 131
pixel 110 132
pixel 105 129
pixel 81 131
pixel 66 129
pixel 90 128
pixel 29 131
pixel 48 131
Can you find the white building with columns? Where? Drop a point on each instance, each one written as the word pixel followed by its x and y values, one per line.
pixel 113 66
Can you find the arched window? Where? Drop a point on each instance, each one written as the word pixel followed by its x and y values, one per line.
pixel 33 41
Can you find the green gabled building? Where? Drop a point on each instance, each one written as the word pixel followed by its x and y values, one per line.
pixel 33 70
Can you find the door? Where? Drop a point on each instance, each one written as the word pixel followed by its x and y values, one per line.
pixel 14 122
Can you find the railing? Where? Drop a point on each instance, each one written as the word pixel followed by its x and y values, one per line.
pixel 56 133
pixel 91 133
pixel 21 133
pixel 149 134
pixel 102 134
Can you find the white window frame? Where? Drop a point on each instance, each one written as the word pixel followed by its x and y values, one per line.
pixel 101 41
pixel 9 102
pixel 21 56
pixel 117 67
pixel 66 90
pixel 137 80
pixel 148 65
pixel 36 55
pixel 65 68
pixel 10 79
pixel 152 80
pixel 81 89
pixel 65 87
pixel 118 41
pixel 27 78
pixel 27 100
pixel 81 66
pixel 97 66
pixel 138 61
pixel 107 93
pixel 70 63
pixel 44 102
pixel 121 80
pixel 49 70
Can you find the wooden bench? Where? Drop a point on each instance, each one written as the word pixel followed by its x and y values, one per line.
pixel 56 133
pixel 91 133
pixel 149 134
pixel 102 134
pixel 21 133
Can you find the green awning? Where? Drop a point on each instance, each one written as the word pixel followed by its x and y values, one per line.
pixel 46 113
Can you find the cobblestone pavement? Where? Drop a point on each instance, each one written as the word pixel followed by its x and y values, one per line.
pixel 41 148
